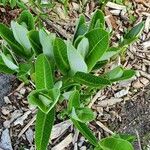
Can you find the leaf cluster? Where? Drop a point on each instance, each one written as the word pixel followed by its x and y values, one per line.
pixel 35 54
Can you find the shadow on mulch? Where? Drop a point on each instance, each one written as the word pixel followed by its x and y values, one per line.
pixel 135 116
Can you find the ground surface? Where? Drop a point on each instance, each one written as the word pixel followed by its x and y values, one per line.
pixel 124 107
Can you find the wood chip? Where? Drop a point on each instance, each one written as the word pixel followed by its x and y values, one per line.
pixel 104 127
pixel 115 6
pixel 63 144
pixel 30 135
pixel 60 128
pixel 109 102
pixel 121 93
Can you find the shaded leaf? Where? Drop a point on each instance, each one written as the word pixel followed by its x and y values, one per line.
pixel 74 100
pixel 98 44
pixel 60 55
pixel 90 80
pixel 27 18
pixel 35 41
pixel 97 20
pixel 81 27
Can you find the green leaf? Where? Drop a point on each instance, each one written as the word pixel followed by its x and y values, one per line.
pixel 20 34
pixel 44 99
pixel 90 80
pixel 43 73
pixel 127 137
pixel 24 71
pixel 43 127
pixel 132 35
pixel 110 53
pixel 83 47
pixel 74 100
pixel 81 27
pixel 27 18
pixel 82 127
pixel 35 41
pixel 60 55
pixel 112 143
pixel 44 122
pixel 97 20
pixel 4 68
pixel 47 43
pixel 98 44
pixel 76 61
pixel 119 74
pixel 11 65
pixel 83 115
pixel 9 38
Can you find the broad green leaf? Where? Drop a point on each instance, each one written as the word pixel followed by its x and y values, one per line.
pixel 76 61
pixel 83 115
pixel 81 27
pixel 135 31
pixel 24 71
pixel 4 68
pixel 43 127
pixel 44 99
pixel 98 44
pixel 47 43
pixel 9 38
pixel 11 65
pixel 60 55
pixel 83 47
pixel 82 127
pixel 44 122
pixel 119 74
pixel 43 73
pixel 74 100
pixel 112 143
pixel 27 18
pixel 132 35
pixel 20 34
pixel 97 20
pixel 90 80
pixel 35 41
pixel 110 53
pixel 127 137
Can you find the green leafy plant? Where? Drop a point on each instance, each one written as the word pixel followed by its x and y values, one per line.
pixel 37 55
pixel 13 3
